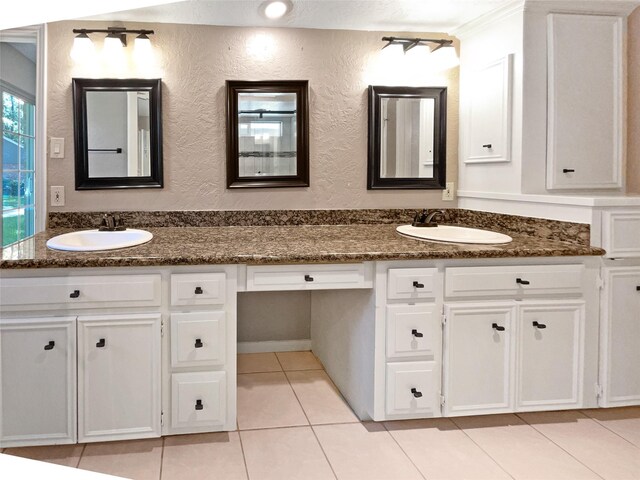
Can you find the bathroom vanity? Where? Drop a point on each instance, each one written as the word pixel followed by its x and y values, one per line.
pixel 142 342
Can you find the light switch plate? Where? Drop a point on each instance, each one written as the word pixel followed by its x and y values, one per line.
pixel 57 196
pixel 56 147
pixel 449 193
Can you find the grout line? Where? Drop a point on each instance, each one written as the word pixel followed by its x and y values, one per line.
pixel 612 431
pixel 451 419
pixel 161 458
pixel 560 447
pixel 244 458
pixel 402 450
pixel 323 452
pixel 298 399
pixel 296 426
pixel 284 371
pixel 84 446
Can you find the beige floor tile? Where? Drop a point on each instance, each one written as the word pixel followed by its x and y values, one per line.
pixel 624 421
pixel 258 363
pixel 266 400
pixel 135 459
pixel 364 451
pixel 442 451
pixel 285 453
pixel 203 456
pixel 319 397
pixel 298 361
pixel 606 453
pixel 67 455
pixel 521 450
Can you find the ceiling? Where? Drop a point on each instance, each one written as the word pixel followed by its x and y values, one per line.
pixel 382 15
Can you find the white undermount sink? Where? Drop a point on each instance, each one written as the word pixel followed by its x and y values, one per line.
pixel 450 233
pixel 94 240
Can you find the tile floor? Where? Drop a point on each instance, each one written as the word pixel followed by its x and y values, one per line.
pixel 293 424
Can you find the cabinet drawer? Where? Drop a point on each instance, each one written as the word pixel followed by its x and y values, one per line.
pixel 198 289
pixel 197 338
pixel 198 399
pixel 413 388
pixel 621 234
pixel 413 330
pixel 407 283
pixel 512 281
pixel 308 277
pixel 82 291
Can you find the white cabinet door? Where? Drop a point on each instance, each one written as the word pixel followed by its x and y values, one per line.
pixel 620 334
pixel 550 356
pixel 118 377
pixel 478 358
pixel 38 367
pixel 585 110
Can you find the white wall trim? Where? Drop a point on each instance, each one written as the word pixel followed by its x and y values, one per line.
pixel 594 7
pixel 274 346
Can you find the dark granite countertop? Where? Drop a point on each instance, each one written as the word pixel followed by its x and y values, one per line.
pixel 278 245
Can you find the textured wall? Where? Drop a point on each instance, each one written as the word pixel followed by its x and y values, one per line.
pixel 633 127
pixel 194 62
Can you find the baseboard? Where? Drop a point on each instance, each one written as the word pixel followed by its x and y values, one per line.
pixel 274 346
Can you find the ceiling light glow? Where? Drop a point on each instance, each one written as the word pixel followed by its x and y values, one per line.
pixel 276 9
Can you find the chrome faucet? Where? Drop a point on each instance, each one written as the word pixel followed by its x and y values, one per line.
pixel 426 218
pixel 111 223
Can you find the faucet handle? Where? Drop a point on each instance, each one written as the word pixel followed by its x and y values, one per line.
pixel 118 224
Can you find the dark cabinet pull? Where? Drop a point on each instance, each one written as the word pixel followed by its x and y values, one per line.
pixel 416 333
pixel 520 281
pixel 487 145
pixel 568 170
pixel 418 285
pixel 416 393
pixel 199 343
pixel 638 288
pixel 539 325
pixel 199 405
pixel 199 291
pixel 497 327
pixel 75 294
pixel 308 278
pixel 101 343
pixel 50 345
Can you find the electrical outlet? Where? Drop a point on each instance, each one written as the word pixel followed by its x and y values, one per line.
pixel 449 193
pixel 57 196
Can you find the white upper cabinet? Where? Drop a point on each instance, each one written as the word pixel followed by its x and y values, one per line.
pixel 585 109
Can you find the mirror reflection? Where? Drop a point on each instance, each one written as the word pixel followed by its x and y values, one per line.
pixel 118 134
pixel 267 144
pixel 407 137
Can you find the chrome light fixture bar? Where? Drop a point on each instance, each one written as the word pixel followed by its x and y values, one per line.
pixel 409 43
pixel 113 32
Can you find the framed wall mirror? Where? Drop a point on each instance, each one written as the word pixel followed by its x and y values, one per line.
pixel 267 134
pixel 407 137
pixel 117 133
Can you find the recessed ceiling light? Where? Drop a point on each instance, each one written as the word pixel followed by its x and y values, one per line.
pixel 276 9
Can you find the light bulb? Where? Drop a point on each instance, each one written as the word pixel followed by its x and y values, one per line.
pixel 276 9
pixel 83 48
pixel 444 58
pixel 142 49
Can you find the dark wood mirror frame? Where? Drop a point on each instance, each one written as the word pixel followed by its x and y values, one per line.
pixel 300 88
pixel 374 179
pixel 80 88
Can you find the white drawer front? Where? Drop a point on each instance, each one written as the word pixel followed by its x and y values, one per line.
pixel 511 281
pixel 198 399
pixel 82 291
pixel 412 388
pixel 198 338
pixel 621 234
pixel 308 277
pixel 198 289
pixel 413 330
pixel 407 283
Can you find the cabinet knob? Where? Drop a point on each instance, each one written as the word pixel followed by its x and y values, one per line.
pixel 486 145
pixel 416 393
pixel 50 345
pixel 199 291
pixel 418 285
pixel 308 278
pixel 638 288
pixel 539 325
pixel 498 328
pixel 199 343
pixel 520 281
pixel 199 405
pixel 568 170
pixel 101 343
pixel 416 333
pixel 74 294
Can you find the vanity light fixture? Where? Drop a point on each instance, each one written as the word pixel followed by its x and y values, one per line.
pixel 442 52
pixel 116 39
pixel 83 48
